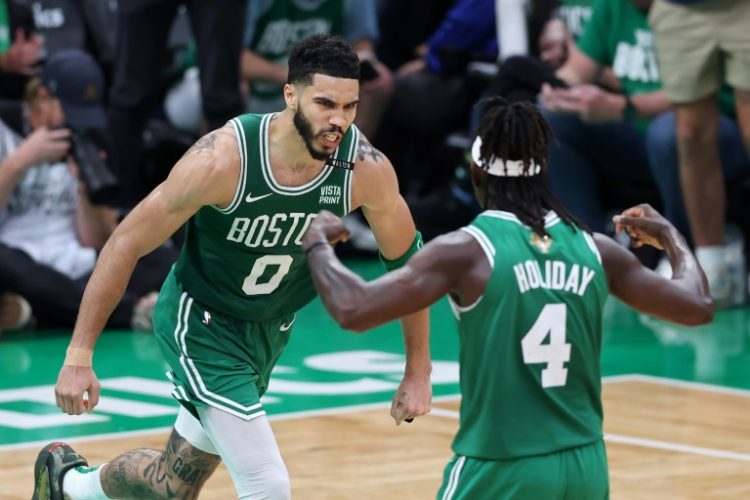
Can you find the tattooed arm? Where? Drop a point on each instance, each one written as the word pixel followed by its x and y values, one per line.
pixel 207 174
pixel 179 472
pixel 375 190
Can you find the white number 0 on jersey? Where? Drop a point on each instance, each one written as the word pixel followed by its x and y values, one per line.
pixel 555 353
pixel 251 286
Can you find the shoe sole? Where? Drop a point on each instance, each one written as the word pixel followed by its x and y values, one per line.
pixel 42 480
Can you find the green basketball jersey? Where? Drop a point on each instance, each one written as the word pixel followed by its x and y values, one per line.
pixel 246 260
pixel 529 358
pixel 284 24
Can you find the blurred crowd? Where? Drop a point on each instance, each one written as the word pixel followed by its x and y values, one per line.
pixel 649 101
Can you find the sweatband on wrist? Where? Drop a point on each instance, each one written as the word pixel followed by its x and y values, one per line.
pixel 315 245
pixel 75 356
pixel 396 263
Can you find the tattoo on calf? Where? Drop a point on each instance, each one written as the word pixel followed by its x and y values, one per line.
pixel 178 472
pixel 368 150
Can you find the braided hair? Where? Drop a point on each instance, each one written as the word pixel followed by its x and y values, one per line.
pixel 518 131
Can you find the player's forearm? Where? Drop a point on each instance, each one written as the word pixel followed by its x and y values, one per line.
pixel 685 268
pixel 416 329
pixel 103 292
pixel 338 287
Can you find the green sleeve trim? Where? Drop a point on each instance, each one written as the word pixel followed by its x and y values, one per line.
pixel 396 263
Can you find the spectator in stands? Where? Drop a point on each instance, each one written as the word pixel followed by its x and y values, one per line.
pixel 21 51
pixel 601 149
pixel 88 25
pixel 702 43
pixel 142 31
pixel 433 96
pixel 404 26
pixel 274 26
pixel 49 228
pixel 524 67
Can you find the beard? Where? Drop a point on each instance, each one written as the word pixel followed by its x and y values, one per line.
pixel 305 130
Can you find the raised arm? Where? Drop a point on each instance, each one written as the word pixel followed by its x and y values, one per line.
pixel 206 174
pixel 684 299
pixel 375 189
pixel 445 265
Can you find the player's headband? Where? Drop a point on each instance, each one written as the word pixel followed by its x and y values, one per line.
pixel 500 167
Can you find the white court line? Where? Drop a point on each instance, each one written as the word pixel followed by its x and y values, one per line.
pixel 339 410
pixel 628 377
pixel 665 445
pixel 689 385
pixel 644 443
pixel 651 443
pixel 440 412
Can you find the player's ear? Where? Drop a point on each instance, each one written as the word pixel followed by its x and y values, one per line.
pixel 291 96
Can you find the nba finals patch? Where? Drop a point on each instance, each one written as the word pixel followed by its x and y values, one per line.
pixel 543 243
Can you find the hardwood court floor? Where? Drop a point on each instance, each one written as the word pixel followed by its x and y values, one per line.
pixel 665 440
pixel 679 429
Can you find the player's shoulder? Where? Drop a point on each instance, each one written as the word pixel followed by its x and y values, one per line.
pixel 461 245
pixel 606 245
pixel 374 182
pixel 369 160
pixel 213 152
pixel 210 169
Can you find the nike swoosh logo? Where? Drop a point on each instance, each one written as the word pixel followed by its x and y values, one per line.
pixel 251 199
pixel 286 326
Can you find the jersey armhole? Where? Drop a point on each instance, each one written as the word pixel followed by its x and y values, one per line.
pixel 592 245
pixel 484 242
pixel 349 175
pixel 489 252
pixel 239 132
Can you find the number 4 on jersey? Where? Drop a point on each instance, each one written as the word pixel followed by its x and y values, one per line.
pixel 555 353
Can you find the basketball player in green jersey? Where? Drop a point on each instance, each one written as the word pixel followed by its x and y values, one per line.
pixel 247 191
pixel 528 286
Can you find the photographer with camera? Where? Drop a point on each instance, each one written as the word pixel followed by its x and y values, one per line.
pixel 54 189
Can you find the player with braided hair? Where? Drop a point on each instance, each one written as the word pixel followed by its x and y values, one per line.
pixel 527 284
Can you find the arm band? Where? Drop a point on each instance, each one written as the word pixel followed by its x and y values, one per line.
pixel 396 263
pixel 315 245
pixel 75 356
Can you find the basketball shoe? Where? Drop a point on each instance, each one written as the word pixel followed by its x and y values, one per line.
pixel 52 463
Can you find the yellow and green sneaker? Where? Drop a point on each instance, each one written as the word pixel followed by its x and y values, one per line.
pixel 53 461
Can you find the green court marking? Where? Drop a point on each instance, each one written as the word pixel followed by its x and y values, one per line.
pixel 326 368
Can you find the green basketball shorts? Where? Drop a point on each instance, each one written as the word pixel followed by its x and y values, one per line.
pixel 215 359
pixel 577 473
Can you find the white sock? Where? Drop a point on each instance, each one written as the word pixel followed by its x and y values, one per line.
pixel 83 483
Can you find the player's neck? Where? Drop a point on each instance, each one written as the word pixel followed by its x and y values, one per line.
pixel 289 146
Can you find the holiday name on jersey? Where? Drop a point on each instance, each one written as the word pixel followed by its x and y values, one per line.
pixel 270 230
pixel 556 276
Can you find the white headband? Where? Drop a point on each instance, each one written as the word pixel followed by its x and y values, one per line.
pixel 502 168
